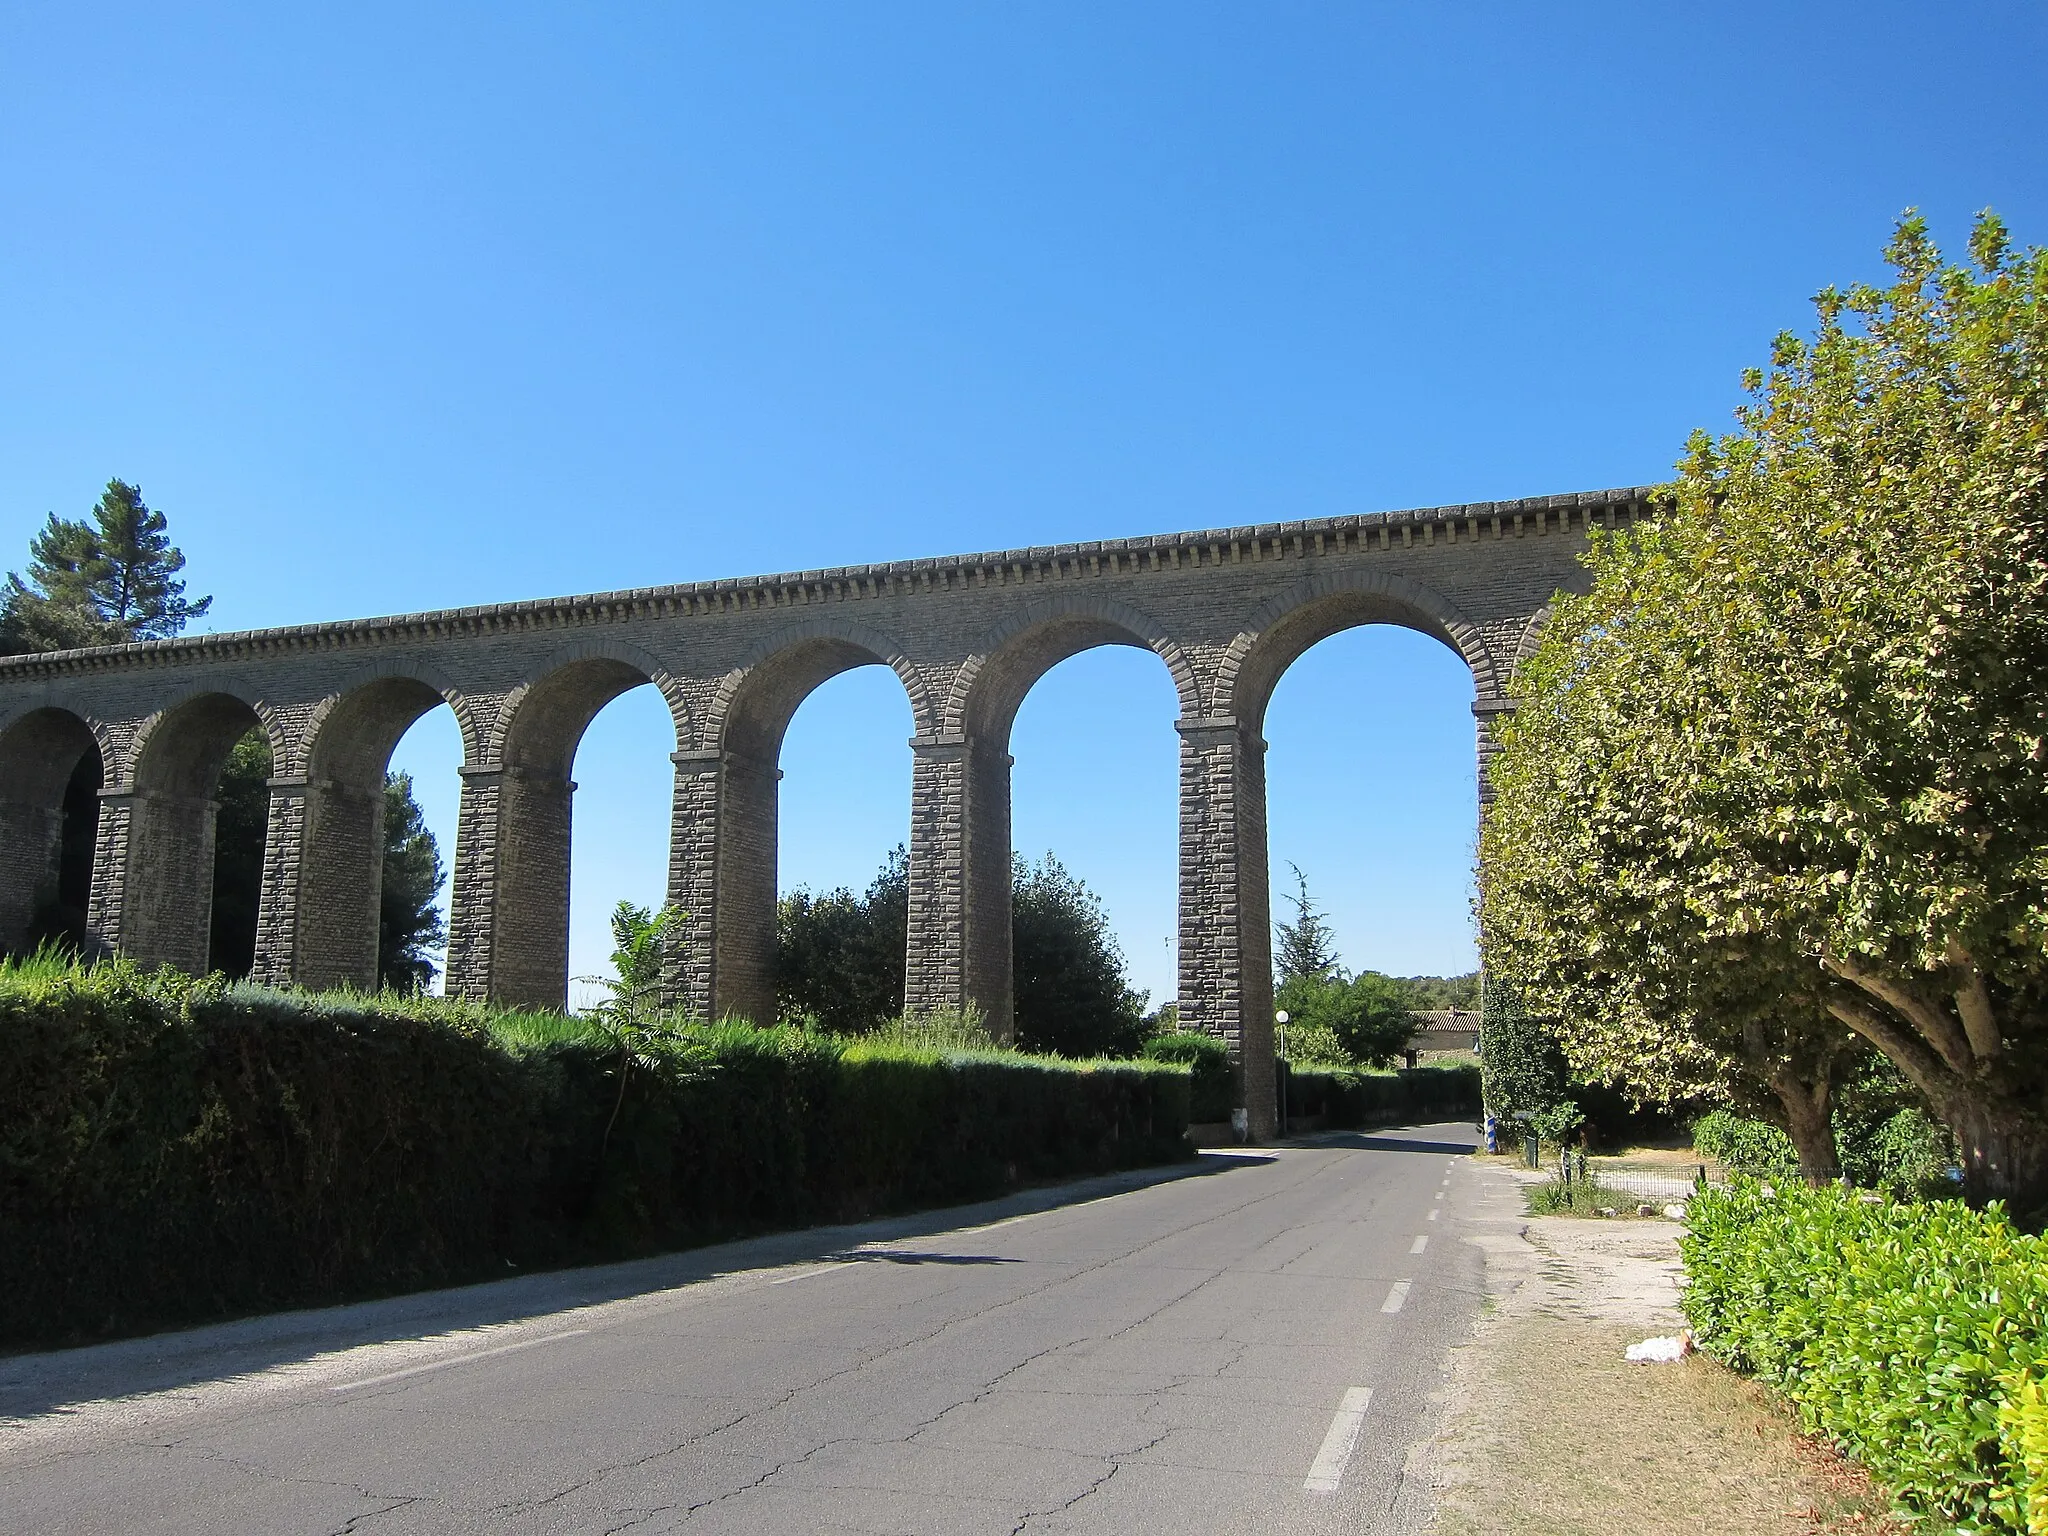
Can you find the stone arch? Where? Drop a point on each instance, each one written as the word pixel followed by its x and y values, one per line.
pixel 323 930
pixel 744 728
pixel 1532 636
pixel 179 749
pixel 960 853
pixel 366 699
pixel 167 882
pixel 53 760
pixel 544 717
pixel 992 685
pixel 521 788
pixel 104 739
pixel 1285 626
pixel 756 700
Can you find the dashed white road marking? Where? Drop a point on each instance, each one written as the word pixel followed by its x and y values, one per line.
pixel 1397 1296
pixel 1418 1245
pixel 1327 1471
pixel 1433 1211
pixel 822 1269
pixel 438 1365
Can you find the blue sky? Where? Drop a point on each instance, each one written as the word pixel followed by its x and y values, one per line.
pixel 403 307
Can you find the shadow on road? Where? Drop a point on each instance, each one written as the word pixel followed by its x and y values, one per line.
pixel 1442 1140
pixel 33 1384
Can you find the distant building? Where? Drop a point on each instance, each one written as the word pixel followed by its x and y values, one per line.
pixel 1445 1029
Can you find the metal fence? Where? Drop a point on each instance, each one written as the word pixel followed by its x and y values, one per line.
pixel 1637 1183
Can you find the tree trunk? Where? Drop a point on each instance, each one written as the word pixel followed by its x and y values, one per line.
pixel 1809 1125
pixel 2005 1154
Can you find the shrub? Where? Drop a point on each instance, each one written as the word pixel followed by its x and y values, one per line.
pixel 1354 1099
pixel 1750 1147
pixel 173 1150
pixel 1905 1154
pixel 1908 1334
pixel 1208 1062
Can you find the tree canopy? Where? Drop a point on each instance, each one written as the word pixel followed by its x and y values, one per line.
pixel 839 957
pixel 1072 996
pixel 104 582
pixel 1306 947
pixel 1332 1016
pixel 1783 766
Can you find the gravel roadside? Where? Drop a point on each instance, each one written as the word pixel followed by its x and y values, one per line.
pixel 1549 1432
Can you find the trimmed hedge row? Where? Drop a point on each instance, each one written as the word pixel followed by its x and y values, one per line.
pixel 1913 1336
pixel 1346 1099
pixel 1211 1084
pixel 172 1151
pixel 1350 1100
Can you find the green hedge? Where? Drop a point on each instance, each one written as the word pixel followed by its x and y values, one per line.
pixel 1355 1099
pixel 1905 1154
pixel 1913 1336
pixel 1345 1098
pixel 173 1151
pixel 1208 1062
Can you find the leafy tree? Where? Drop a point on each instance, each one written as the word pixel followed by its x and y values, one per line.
pixel 1307 946
pixel 409 925
pixel 839 960
pixel 839 957
pixel 1365 1020
pixel 1072 996
pixel 1807 707
pixel 109 581
pixel 1426 992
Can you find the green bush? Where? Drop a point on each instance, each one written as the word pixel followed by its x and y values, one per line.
pixel 1208 1062
pixel 1350 1100
pixel 1750 1147
pixel 1908 1334
pixel 173 1150
pixel 1905 1154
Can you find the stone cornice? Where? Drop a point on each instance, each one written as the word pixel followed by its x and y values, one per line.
pixel 837 584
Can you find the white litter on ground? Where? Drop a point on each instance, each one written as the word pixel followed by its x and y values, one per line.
pixel 1663 1350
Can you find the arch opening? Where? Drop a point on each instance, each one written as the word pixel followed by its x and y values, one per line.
pixel 1267 657
pixel 530 939
pixel 1095 791
pixel 173 863
pixel 752 722
pixel 348 929
pixel 842 828
pixel 51 773
pixel 983 712
pixel 1371 793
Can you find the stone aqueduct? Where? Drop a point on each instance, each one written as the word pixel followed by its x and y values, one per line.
pixel 1226 611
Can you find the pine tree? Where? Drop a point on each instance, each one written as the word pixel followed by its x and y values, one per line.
pixel 409 926
pixel 106 582
pixel 1308 946
pixel 132 577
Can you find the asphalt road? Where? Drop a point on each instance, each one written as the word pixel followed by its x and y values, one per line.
pixel 1244 1348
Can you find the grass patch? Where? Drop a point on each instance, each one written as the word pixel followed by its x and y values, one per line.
pixel 1554 1197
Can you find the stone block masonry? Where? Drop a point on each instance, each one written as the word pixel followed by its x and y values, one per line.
pixel 1226 610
